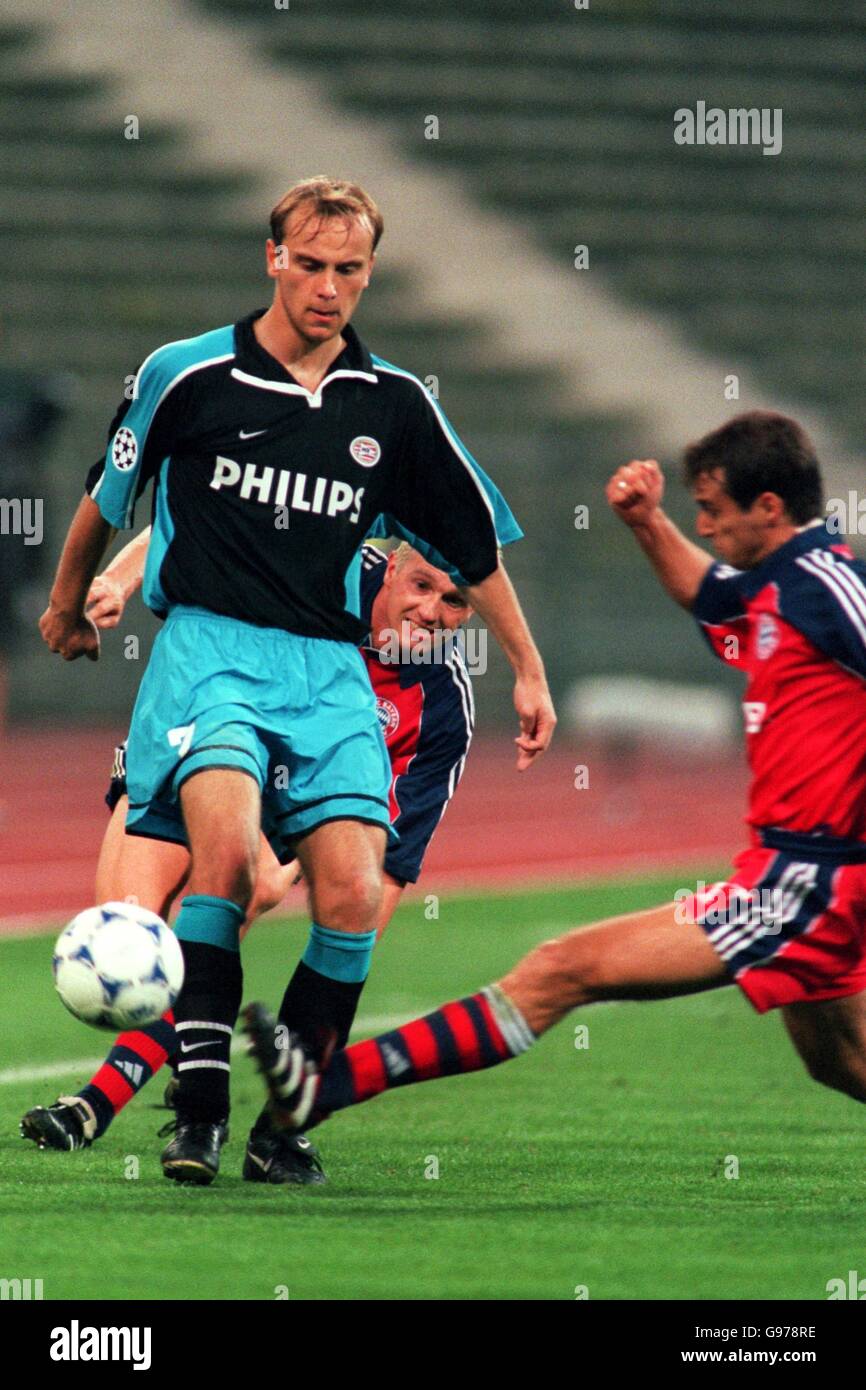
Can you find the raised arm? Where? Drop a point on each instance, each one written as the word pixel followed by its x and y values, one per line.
pixel 63 625
pixel 497 604
pixel 635 493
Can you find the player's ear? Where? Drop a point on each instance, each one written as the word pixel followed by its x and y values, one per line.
pixel 370 269
pixel 274 258
pixel 772 507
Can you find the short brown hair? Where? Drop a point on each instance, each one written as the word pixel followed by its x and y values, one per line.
pixel 327 198
pixel 762 451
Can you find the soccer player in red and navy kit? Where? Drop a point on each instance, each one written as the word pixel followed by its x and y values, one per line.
pixel 425 704
pixel 787 606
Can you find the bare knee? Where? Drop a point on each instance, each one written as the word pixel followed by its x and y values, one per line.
pixel 231 876
pixel 573 968
pixel 558 976
pixel 350 902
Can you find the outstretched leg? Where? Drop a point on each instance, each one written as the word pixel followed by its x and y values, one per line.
pixel 645 955
pixel 642 955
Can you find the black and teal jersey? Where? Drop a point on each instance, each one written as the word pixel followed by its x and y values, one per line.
pixel 264 491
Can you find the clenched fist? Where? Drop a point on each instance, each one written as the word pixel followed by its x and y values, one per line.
pixel 635 491
pixel 71 636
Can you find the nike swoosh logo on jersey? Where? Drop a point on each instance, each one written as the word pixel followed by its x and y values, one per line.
pixel 242 434
pixel 191 1047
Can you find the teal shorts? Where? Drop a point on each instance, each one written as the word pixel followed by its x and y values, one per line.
pixel 297 714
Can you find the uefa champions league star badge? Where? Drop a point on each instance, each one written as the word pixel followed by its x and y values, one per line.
pixel 124 450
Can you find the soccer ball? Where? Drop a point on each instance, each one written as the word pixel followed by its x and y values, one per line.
pixel 118 966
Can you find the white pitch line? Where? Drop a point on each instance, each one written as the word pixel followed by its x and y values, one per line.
pixel 50 1071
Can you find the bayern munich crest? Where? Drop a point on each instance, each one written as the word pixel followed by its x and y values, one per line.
pixel 365 450
pixel 124 450
pixel 389 716
pixel 767 639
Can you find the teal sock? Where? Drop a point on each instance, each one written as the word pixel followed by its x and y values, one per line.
pixel 340 955
pixel 211 921
pixel 321 998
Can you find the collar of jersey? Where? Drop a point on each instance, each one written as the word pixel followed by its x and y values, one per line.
pixel 408 672
pixel 810 538
pixel 256 367
pixel 370 584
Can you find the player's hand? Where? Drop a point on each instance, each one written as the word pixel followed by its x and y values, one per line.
pixel 105 601
pixel 537 719
pixel 70 635
pixel 635 491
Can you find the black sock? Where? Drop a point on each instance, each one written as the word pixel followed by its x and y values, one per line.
pixel 205 1015
pixel 315 1006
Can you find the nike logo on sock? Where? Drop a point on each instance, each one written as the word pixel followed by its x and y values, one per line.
pixel 191 1047
pixel 243 434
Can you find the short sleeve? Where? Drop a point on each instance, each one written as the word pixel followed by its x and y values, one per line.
pixel 828 606
pixel 443 503
pixel 142 433
pixel 721 614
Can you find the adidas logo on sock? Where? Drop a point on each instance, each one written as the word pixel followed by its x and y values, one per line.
pixel 395 1062
pixel 133 1070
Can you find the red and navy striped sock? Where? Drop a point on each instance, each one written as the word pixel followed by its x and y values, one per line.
pixel 469 1034
pixel 135 1057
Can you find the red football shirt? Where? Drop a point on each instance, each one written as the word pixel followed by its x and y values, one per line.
pixel 796 624
pixel 427 716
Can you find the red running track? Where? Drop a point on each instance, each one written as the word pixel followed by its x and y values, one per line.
pixel 502 828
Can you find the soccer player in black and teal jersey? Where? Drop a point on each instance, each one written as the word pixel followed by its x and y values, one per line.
pixel 274 444
pixel 425 704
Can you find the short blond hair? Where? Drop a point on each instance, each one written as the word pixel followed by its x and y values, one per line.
pixel 403 553
pixel 327 198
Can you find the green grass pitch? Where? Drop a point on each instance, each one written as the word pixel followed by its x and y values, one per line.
pixel 602 1167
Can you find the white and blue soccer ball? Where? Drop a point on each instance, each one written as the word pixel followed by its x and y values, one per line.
pixel 118 966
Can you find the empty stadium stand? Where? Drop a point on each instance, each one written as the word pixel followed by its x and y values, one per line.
pixel 556 118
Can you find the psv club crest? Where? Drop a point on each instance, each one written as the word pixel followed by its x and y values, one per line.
pixel 389 716
pixel 365 450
